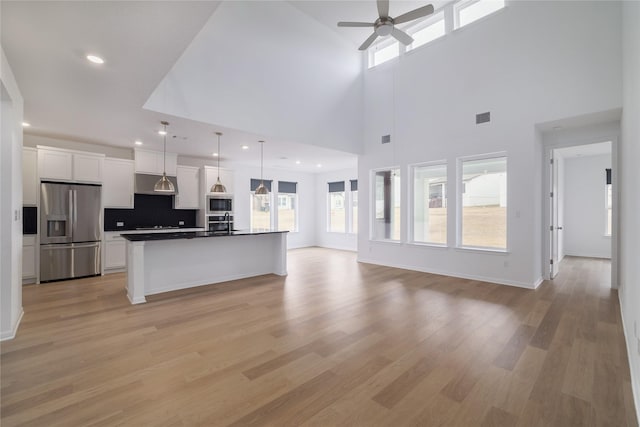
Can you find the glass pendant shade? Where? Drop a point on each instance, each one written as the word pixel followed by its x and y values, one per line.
pixel 218 187
pixel 262 190
pixel 164 185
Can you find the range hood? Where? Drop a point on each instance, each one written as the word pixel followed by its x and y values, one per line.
pixel 144 184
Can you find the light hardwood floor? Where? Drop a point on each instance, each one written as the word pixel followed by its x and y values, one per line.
pixel 335 343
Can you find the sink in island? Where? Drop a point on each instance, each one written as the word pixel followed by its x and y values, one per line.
pixel 163 262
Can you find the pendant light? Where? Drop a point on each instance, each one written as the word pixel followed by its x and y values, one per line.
pixel 164 185
pixel 218 187
pixel 261 190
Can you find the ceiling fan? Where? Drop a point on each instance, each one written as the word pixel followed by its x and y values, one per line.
pixel 385 25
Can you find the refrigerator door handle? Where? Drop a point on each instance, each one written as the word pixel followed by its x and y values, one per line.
pixel 70 221
pixel 74 213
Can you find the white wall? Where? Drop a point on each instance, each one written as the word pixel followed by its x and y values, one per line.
pixel 300 83
pixel 344 241
pixel 584 207
pixel 10 202
pixel 306 234
pixel 629 290
pixel 427 101
pixel 108 150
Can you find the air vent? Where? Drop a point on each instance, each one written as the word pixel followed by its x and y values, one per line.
pixel 483 118
pixel 386 139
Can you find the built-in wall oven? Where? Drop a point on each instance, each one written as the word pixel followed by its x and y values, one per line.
pixel 220 213
pixel 220 223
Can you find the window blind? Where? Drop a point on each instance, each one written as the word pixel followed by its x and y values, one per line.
pixel 336 187
pixel 256 182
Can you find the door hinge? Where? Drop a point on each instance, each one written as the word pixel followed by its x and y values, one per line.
pixel 551 161
pixel 551 261
pixel 551 194
pixel 551 228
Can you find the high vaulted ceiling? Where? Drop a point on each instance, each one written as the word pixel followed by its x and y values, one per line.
pixel 67 97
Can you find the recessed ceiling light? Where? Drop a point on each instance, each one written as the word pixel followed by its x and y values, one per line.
pixel 319 165
pixel 95 59
pixel 245 147
pixel 25 124
pixel 138 142
pixel 215 154
pixel 162 132
pixel 297 162
pixel 557 127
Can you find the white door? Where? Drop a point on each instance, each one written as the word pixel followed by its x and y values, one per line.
pixel 554 228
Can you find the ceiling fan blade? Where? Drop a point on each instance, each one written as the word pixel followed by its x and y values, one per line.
pixel 414 14
pixel 368 42
pixel 402 37
pixel 383 8
pixel 355 24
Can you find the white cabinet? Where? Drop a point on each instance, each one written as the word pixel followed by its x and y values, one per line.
pixel 67 165
pixel 188 196
pixel 55 164
pixel 115 251
pixel 29 176
pixel 117 186
pixel 211 176
pixel 28 258
pixel 152 162
pixel 87 167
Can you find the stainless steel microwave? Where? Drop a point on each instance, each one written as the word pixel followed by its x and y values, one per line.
pixel 217 204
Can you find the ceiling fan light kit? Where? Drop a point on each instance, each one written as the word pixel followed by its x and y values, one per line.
pixel 386 25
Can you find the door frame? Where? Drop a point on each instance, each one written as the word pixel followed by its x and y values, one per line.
pixel 586 135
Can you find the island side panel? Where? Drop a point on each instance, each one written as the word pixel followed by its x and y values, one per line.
pixel 135 272
pixel 183 263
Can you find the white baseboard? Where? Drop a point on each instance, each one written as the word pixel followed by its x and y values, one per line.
pixel 634 375
pixel 496 280
pixel 12 334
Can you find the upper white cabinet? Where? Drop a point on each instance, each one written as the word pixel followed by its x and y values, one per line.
pixel 68 165
pixel 117 186
pixel 188 196
pixel 211 176
pixel 29 176
pixel 152 162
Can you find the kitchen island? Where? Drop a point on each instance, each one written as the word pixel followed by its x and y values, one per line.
pixel 166 262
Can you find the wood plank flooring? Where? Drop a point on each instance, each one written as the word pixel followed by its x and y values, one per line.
pixel 335 343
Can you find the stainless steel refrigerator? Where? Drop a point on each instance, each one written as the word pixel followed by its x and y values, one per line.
pixel 70 230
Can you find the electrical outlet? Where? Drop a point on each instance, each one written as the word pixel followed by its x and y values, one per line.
pixel 180 222
pixel 120 224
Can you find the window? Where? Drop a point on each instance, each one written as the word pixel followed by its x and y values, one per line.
pixel 386 221
pixel 354 206
pixel 430 204
pixel 484 203
pixel 336 222
pixel 466 12
pixel 609 197
pixel 260 207
pixel 427 31
pixel 287 206
pixel 383 52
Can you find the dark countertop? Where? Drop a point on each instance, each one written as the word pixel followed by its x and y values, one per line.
pixel 193 235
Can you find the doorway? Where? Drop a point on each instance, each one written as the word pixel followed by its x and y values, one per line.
pixel 581 203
